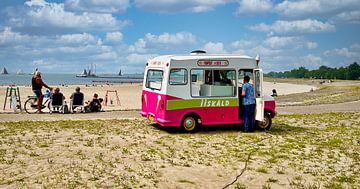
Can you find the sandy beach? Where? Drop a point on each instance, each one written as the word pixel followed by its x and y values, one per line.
pixel 130 94
pixel 119 149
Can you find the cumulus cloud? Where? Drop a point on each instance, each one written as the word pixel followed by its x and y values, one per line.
pixel 39 13
pixel 114 36
pixel 8 36
pixel 311 45
pixel 139 46
pixel 277 42
pixel 344 52
pixel 40 63
pixel 83 38
pixel 352 17
pixel 242 44
pixel 254 7
pixel 323 8
pixel 104 6
pixel 167 6
pixel 167 38
pixel 135 58
pixel 312 61
pixel 294 27
pixel 285 42
pixel 214 48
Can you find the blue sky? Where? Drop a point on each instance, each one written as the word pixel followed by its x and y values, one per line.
pixel 67 35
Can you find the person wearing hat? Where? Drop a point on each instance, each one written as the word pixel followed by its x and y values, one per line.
pixel 37 84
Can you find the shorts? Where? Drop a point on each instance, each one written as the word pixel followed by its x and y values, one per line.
pixel 38 93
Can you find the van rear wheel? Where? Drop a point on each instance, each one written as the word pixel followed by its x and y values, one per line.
pixel 266 123
pixel 189 124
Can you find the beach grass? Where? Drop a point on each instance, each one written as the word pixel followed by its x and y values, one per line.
pixel 323 95
pixel 300 151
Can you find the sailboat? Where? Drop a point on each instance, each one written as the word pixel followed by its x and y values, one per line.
pixel 88 73
pixel 20 72
pixel 84 74
pixel 120 74
pixel 4 71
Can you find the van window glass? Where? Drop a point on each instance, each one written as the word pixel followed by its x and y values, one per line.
pixel 178 76
pixel 242 74
pixel 257 84
pixel 154 79
pixel 213 83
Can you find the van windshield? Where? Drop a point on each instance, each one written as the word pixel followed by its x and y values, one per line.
pixel 154 79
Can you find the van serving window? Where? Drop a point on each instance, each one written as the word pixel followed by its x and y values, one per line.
pixel 213 83
pixel 154 79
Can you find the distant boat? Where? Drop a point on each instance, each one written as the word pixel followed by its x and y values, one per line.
pixel 4 71
pixel 88 73
pixel 84 74
pixel 120 74
pixel 20 72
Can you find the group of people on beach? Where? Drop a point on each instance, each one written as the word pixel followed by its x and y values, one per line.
pixel 77 98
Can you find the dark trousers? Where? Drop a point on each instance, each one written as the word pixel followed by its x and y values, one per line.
pixel 249 116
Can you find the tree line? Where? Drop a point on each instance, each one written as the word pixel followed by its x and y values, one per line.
pixel 351 72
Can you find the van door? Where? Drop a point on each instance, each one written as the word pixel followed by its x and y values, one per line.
pixel 258 80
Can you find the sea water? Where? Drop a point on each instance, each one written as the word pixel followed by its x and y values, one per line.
pixel 68 79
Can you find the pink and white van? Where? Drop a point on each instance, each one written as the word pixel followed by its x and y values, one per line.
pixel 202 89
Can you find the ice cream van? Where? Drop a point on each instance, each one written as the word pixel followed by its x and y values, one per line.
pixel 201 89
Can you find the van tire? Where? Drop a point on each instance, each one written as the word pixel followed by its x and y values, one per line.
pixel 189 123
pixel 266 124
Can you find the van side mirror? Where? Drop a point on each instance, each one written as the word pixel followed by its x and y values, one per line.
pixel 193 78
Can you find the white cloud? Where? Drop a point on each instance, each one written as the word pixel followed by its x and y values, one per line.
pixel 214 48
pixel 170 6
pixel 106 56
pixel 312 61
pixel 243 44
pixel 104 6
pixel 114 36
pixel 42 14
pixel 311 45
pixel 8 36
pixel 176 38
pixel 136 58
pixel 254 7
pixel 40 63
pixel 324 8
pixel 280 42
pixel 287 43
pixel 295 27
pixel 344 52
pixel 139 46
pixel 347 17
pixel 83 38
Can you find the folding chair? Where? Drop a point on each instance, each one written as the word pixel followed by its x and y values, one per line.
pixel 77 101
pixel 57 102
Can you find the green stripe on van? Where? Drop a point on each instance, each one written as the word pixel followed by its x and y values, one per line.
pixel 201 103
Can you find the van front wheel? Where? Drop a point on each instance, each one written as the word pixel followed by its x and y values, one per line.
pixel 189 124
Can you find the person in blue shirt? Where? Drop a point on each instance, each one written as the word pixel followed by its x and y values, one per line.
pixel 248 105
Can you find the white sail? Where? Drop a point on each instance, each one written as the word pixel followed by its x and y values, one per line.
pixel 20 72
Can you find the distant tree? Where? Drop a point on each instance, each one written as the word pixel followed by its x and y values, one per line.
pixel 351 72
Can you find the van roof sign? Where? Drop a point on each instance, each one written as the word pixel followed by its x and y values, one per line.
pixel 213 63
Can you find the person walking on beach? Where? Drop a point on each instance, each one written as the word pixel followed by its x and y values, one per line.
pixel 248 105
pixel 37 84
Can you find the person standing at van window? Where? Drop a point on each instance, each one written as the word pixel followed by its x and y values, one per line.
pixel 37 84
pixel 248 105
